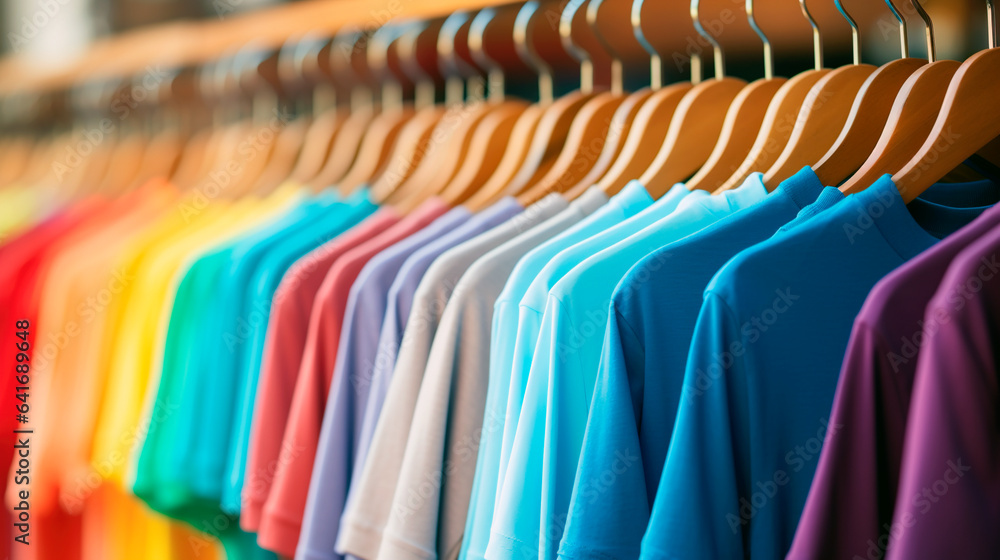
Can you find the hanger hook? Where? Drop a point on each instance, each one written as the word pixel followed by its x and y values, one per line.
pixel 928 30
pixel 377 55
pixel 904 45
pixel 447 46
pixel 528 53
pixel 494 71
pixel 655 61
pixel 720 64
pixel 817 38
pixel 991 20
pixel 574 50
pixel 617 70
pixel 768 56
pixel 855 36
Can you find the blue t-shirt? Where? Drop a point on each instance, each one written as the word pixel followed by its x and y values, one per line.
pixel 762 371
pixel 649 329
pixel 534 498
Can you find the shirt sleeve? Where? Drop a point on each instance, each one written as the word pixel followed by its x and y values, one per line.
pixel 609 510
pixel 950 477
pixel 517 517
pixel 697 512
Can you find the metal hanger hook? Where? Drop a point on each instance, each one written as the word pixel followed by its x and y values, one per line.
pixel 928 30
pixel 855 36
pixel 528 53
pixel 655 60
pixel 991 20
pixel 574 50
pixel 768 56
pixel 817 38
pixel 617 69
pixel 904 45
pixel 720 65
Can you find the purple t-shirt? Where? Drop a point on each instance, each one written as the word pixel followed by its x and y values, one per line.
pixel 851 500
pixel 949 493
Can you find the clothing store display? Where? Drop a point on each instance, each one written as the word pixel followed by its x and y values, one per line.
pixel 476 285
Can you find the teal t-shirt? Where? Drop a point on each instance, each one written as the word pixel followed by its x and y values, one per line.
pixel 534 499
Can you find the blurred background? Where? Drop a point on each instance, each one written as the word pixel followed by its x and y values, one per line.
pixel 58 45
pixel 54 32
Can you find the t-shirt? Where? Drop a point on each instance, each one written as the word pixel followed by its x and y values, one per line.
pixel 534 498
pixel 532 304
pixel 762 370
pixel 948 490
pixel 21 277
pixel 208 356
pixel 370 506
pixel 477 526
pixel 76 288
pixel 651 321
pixel 447 419
pixel 282 514
pixel 853 494
pixel 345 407
pixel 134 336
pixel 290 326
pixel 174 472
pixel 249 334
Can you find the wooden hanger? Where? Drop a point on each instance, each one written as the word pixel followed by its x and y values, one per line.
pixel 969 120
pixel 743 120
pixel 533 38
pixel 822 116
pixel 695 124
pixel 390 49
pixel 589 130
pixel 612 25
pixel 782 114
pixel 914 111
pixel 650 125
pixel 464 127
pixel 492 138
pixel 868 114
pixel 282 71
pixel 328 117
pixel 490 47
pixel 524 28
pixel 348 62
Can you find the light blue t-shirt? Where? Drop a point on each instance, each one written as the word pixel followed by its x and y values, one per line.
pixel 534 498
pixel 763 367
pixel 632 200
pixel 532 304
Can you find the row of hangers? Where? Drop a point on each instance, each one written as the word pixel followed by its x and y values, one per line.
pixel 380 124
